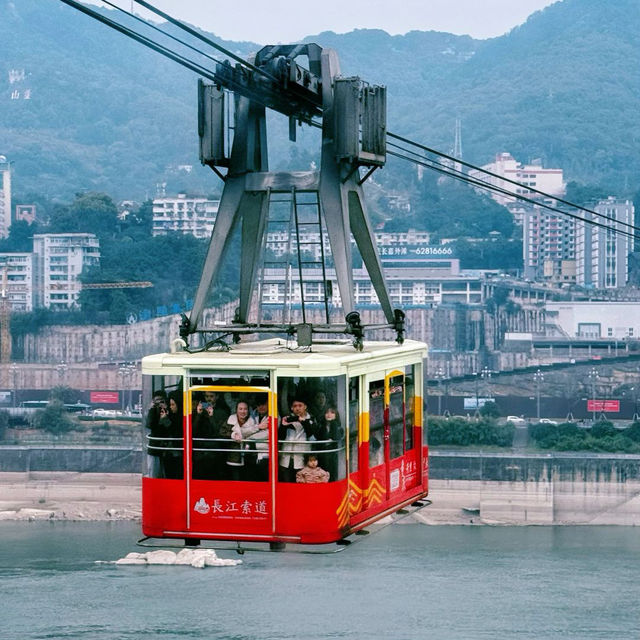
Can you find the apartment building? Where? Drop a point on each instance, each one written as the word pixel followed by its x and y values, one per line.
pixel 59 259
pixel 19 273
pixel 534 175
pixel 5 197
pixel 194 215
pixel 548 246
pixel 602 252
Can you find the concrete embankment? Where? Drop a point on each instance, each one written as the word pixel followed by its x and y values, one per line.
pixel 465 488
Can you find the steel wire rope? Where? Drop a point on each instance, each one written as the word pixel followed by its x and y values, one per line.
pixel 496 175
pixel 175 38
pixel 196 34
pixel 489 187
pixel 164 50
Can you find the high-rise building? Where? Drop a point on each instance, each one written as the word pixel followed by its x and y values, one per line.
pixel 602 253
pixel 60 258
pixel 184 214
pixel 548 245
pixel 5 197
pixel 20 274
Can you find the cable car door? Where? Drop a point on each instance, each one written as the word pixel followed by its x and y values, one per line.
pixel 230 461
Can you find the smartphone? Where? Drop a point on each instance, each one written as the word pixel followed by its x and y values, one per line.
pixel 206 405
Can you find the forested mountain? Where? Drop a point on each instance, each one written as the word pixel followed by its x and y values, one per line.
pixel 97 111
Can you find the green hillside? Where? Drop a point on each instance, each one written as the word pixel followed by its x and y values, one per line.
pixel 105 114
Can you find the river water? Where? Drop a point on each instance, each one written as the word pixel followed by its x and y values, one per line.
pixel 405 582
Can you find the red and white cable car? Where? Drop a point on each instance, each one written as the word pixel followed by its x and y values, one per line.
pixel 220 482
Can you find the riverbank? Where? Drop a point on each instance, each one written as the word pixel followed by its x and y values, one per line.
pixel 66 495
pixel 117 496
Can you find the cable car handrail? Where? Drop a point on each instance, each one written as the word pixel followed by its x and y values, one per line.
pixel 247 441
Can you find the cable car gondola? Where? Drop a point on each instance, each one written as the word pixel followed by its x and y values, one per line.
pixel 203 484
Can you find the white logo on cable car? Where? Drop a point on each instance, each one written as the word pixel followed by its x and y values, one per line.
pixel 202 506
pixel 394 479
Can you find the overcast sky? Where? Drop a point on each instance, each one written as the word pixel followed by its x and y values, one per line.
pixel 273 21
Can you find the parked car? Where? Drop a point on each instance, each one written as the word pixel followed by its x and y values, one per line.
pixel 517 421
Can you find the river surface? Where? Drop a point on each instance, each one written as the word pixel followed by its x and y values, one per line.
pixel 407 581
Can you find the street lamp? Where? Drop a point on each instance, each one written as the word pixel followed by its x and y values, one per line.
pixel 486 375
pixel 593 377
pixel 13 369
pixel 439 374
pixel 125 371
pixel 538 378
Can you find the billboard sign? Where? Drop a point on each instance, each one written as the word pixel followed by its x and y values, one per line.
pixel 416 252
pixel 475 403
pixel 606 406
pixel 104 397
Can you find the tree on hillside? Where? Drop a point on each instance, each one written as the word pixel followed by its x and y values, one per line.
pixel 89 213
pixel 20 237
pixel 451 209
pixel 584 194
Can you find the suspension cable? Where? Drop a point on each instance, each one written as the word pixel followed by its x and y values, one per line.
pixel 496 175
pixel 489 187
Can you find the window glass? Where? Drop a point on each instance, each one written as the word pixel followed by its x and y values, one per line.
pixel 376 423
pixel 230 435
pixel 354 415
pixel 230 378
pixel 311 411
pixel 409 406
pixel 396 416
pixel 163 426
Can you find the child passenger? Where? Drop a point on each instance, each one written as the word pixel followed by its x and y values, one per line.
pixel 311 472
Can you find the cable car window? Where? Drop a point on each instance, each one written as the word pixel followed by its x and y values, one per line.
pixel 409 407
pixel 230 435
pixel 230 378
pixel 311 411
pixel 163 423
pixel 354 416
pixel 396 416
pixel 376 423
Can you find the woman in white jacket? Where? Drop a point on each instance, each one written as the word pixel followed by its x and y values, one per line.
pixel 239 426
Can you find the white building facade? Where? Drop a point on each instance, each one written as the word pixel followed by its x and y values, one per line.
pixel 188 215
pixel 59 259
pixel 548 181
pixel 5 197
pixel 20 273
pixel 618 320
pixel 602 252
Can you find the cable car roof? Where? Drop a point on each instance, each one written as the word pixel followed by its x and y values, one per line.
pixel 275 353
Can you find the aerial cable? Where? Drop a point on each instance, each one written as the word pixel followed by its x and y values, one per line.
pixel 148 42
pixel 164 33
pixel 208 41
pixel 489 187
pixel 516 195
pixel 496 175
pixel 189 64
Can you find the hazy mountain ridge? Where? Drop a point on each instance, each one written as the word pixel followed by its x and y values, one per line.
pixel 106 113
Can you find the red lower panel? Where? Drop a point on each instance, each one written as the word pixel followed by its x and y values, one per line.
pixel 163 506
